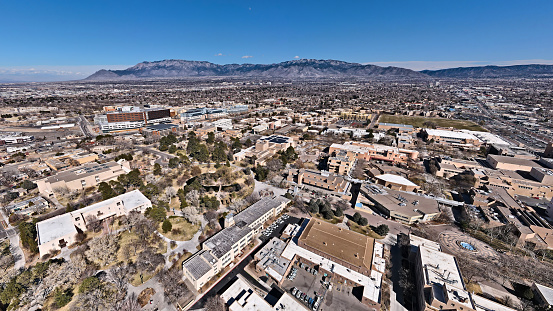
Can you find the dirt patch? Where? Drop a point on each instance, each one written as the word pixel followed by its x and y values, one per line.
pixel 145 295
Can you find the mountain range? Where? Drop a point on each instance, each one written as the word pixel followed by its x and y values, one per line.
pixel 309 69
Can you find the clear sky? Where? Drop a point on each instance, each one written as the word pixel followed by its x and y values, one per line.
pixel 81 36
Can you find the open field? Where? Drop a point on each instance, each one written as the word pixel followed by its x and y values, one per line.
pixel 180 224
pixel 419 121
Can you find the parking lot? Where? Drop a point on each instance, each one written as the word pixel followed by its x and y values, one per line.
pixel 277 226
pixel 339 298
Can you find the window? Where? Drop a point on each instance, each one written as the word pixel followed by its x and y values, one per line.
pixel 77 218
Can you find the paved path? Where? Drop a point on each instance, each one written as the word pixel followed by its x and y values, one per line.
pixel 159 302
pixel 259 185
pixel 499 292
pixel 17 252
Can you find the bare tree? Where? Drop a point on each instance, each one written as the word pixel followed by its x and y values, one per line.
pixel 130 304
pixel 92 223
pixel 253 198
pixel 215 303
pixel 193 198
pixel 174 288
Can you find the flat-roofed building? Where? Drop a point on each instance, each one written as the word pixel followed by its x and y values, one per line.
pixel 334 184
pixel 27 207
pixel 264 148
pixel 511 163
pixel 60 231
pixel 367 152
pixel 341 163
pixel 226 245
pixel 401 128
pixel 83 176
pixel 451 138
pixel 543 175
pixel 548 153
pixel 396 182
pixel 240 296
pixel 347 256
pixel 398 205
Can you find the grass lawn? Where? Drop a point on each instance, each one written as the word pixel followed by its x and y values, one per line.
pixel 418 122
pixel 126 238
pixel 335 220
pixel 474 288
pixel 187 229
pixel 366 230
pixel 135 281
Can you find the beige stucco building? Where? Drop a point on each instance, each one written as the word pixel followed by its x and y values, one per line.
pixel 61 231
pixel 83 176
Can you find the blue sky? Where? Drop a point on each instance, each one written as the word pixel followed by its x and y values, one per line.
pixel 82 36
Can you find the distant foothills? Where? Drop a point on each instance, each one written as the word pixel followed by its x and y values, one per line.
pixel 311 69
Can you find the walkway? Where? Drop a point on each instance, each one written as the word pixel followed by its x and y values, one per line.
pixel 158 299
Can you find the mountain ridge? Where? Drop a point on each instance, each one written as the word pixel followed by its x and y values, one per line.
pixel 294 69
pixel 312 68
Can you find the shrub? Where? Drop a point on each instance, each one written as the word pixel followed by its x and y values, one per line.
pixel 90 283
pixel 166 226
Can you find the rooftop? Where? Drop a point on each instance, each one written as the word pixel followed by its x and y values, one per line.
pixel 396 179
pixel 88 169
pixel 130 201
pixel 406 203
pixel 347 245
pixel 55 228
pixel 199 264
pixel 547 293
pixel 222 242
pixel 260 208
pixel 514 161
pixel 450 134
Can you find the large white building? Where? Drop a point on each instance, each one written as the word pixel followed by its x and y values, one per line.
pixel 223 247
pixel 61 231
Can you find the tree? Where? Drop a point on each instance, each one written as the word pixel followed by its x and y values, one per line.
pixel 313 206
pixel 156 213
pixel 90 283
pixel 275 165
pixel 173 287
pixel 210 138
pixel 219 152
pixel 215 303
pixel 382 230
pixel 62 297
pixel 329 214
pixel 27 235
pixel 174 162
pixel 149 260
pixel 166 226
pixel 338 211
pixel 157 169
pixel 363 221
pixel 102 250
pixel 261 173
pixel 172 149
pixel 356 217
pixel 92 223
pixel 106 190
pixel 195 170
pixel 190 213
pixel 28 185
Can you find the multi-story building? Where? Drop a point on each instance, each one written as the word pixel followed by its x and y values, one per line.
pixel 265 148
pixel 400 128
pixel 511 163
pixel 131 118
pixel 452 138
pixel 334 184
pixel 341 163
pixel 347 256
pixel 223 247
pixel 15 138
pixel 548 153
pixel 81 177
pixel 398 205
pixel 61 231
pixel 367 151
pixel 439 284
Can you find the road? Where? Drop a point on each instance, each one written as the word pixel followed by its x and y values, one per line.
pixel 226 281
pixel 85 127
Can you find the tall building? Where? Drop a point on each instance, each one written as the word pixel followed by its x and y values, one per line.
pixel 131 118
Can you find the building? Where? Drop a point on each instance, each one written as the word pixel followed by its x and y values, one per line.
pixel 543 294
pixel 15 138
pixel 269 260
pixel 400 128
pixel 345 255
pixel 400 206
pixel 128 118
pixel 548 153
pixel 396 182
pixel 240 296
pixel 451 138
pixel 510 163
pixel 264 148
pixel 543 175
pixel 61 231
pixel 28 207
pixel 160 129
pixel 222 124
pixel 341 163
pixel 83 176
pixel 336 185
pixel 367 152
pixel 226 245
pixel 439 284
